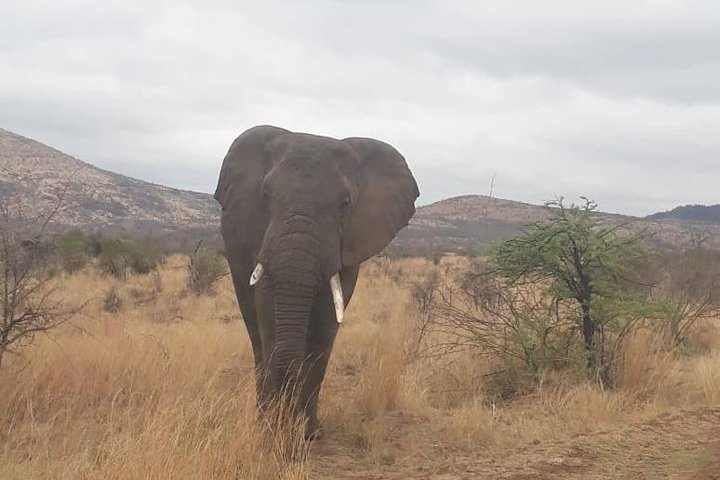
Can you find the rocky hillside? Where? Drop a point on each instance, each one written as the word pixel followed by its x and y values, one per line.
pixel 95 199
pixel 690 213
pixel 101 201
pixel 470 223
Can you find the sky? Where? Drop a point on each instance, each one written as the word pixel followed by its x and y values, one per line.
pixel 618 101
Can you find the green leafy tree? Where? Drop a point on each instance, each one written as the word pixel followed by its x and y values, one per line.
pixel 576 258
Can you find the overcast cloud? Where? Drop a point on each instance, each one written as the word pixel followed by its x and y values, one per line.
pixel 616 100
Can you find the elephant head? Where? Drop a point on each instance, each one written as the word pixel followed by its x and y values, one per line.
pixel 297 209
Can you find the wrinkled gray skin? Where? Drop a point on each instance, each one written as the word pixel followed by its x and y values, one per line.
pixel 306 207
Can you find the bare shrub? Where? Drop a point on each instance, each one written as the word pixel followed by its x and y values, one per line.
pixel 519 328
pixel 689 285
pixel 112 301
pixel 423 293
pixel 28 301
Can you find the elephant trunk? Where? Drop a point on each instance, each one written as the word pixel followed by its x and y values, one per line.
pixel 295 284
pixel 292 311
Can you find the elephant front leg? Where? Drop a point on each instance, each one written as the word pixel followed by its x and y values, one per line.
pixel 311 394
pixel 321 337
pixel 249 317
pixel 265 327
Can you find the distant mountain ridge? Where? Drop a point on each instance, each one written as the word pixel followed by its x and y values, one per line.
pixel 470 223
pixel 100 201
pixel 34 174
pixel 691 213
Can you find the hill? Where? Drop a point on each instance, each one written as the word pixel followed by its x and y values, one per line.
pixel 97 200
pixel 468 224
pixel 690 213
pixel 100 201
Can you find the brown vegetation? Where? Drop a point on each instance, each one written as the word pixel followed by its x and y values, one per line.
pixel 160 386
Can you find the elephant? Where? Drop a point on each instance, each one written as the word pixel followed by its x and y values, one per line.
pixel 300 213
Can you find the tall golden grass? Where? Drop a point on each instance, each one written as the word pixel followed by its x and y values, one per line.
pixel 163 388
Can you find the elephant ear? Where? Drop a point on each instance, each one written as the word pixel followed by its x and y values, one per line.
pixel 244 216
pixel 385 201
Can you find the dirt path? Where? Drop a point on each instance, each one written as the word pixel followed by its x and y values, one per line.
pixel 682 445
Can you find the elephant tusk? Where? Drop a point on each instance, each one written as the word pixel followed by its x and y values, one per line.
pixel 337 294
pixel 256 274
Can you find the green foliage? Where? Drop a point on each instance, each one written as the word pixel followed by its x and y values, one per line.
pixel 574 258
pixel 572 251
pixel 94 245
pixel 72 250
pixel 118 255
pixel 519 326
pixel 565 294
pixel 205 268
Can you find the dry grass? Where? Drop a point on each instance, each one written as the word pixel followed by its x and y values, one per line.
pixel 163 388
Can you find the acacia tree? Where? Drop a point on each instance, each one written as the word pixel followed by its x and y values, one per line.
pixel 28 304
pixel 576 258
